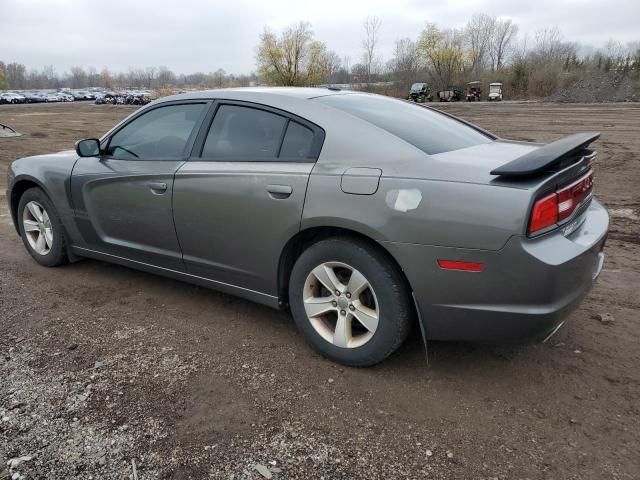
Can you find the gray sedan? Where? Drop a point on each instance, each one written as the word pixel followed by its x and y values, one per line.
pixel 362 214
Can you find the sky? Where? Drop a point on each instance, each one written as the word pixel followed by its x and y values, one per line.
pixel 204 35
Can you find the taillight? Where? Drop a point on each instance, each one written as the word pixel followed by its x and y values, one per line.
pixel 557 206
pixel 544 213
pixel 572 195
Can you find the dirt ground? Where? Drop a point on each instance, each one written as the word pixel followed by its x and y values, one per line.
pixel 106 372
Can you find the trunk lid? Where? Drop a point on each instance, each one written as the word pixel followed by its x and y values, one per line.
pixel 480 164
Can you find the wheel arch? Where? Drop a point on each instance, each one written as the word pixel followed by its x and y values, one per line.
pixel 307 237
pixel 21 185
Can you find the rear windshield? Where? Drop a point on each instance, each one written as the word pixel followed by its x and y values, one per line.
pixel 426 129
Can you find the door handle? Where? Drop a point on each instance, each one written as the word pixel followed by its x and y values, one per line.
pixel 279 191
pixel 158 187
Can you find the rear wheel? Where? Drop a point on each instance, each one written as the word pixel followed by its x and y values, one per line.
pixel 41 229
pixel 349 301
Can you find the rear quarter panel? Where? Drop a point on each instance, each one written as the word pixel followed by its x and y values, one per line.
pixel 420 211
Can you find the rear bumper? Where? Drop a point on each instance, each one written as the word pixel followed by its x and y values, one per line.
pixel 524 292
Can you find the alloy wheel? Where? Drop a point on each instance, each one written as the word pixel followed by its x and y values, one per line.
pixel 341 304
pixel 37 227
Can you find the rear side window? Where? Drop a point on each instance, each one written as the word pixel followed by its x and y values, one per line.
pixel 244 133
pixel 428 130
pixel 297 142
pixel 159 134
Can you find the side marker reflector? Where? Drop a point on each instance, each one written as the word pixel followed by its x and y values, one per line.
pixel 458 265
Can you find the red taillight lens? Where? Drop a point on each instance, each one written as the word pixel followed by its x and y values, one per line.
pixel 559 205
pixel 572 195
pixel 544 214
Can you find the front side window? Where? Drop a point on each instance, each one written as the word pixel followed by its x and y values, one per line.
pixel 160 134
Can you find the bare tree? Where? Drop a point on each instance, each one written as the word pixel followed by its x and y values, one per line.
pixel 78 77
pixel 106 80
pixel 149 76
pixel 219 77
pixel 404 63
pixel 16 75
pixel 479 33
pixel 615 50
pixel 49 73
pixel 93 77
pixel 346 64
pixel 165 77
pixel 369 43
pixel 334 64
pixel 550 47
pixel 504 33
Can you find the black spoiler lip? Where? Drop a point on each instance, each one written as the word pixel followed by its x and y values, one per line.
pixel 546 156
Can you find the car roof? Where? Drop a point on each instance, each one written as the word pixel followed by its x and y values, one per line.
pixel 259 93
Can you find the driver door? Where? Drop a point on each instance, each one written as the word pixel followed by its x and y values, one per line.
pixel 123 198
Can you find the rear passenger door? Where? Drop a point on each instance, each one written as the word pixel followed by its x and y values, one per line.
pixel 240 196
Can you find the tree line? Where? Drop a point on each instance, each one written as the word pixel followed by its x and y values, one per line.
pixel 486 49
pixel 17 76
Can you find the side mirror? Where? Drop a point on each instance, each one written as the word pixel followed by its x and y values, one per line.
pixel 89 147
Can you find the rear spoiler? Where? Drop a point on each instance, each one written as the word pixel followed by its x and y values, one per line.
pixel 546 156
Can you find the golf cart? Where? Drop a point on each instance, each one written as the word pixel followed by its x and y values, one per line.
pixel 474 91
pixel 450 94
pixel 495 92
pixel 420 93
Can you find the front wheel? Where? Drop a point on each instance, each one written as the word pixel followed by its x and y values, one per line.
pixel 350 301
pixel 41 229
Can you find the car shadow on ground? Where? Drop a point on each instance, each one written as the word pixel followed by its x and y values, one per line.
pixel 202 309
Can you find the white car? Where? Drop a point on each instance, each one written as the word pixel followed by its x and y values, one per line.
pixel 65 97
pixel 12 97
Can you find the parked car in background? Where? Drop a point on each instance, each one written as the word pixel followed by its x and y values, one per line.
pixel 495 92
pixel 65 97
pixel 77 95
pixel 12 97
pixel 420 93
pixel 34 97
pixel 336 204
pixel 105 98
pixel 53 97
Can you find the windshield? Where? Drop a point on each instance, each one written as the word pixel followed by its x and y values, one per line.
pixel 429 130
pixel 416 87
pixel 494 88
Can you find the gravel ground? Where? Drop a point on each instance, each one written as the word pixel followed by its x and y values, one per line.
pixel 111 373
pixel 599 86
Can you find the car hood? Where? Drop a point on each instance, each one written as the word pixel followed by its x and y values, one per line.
pixel 474 164
pixel 49 157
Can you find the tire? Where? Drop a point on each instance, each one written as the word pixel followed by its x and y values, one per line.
pixel 54 252
pixel 386 298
